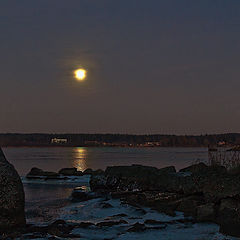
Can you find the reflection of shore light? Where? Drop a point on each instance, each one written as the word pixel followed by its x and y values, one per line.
pixel 80 157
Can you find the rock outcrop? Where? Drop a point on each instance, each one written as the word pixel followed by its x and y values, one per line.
pixel 37 173
pixel 206 193
pixel 70 172
pixel 12 197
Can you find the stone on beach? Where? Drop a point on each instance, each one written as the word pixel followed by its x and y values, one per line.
pixel 80 194
pixel 37 172
pixel 70 172
pixel 12 199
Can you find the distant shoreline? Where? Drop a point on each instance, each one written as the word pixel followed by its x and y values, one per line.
pixel 116 140
pixel 50 146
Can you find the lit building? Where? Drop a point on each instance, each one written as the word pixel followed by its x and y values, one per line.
pixel 59 141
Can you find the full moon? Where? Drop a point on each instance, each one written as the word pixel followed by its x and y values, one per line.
pixel 80 74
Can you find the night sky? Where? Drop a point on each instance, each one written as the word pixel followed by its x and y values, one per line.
pixel 153 66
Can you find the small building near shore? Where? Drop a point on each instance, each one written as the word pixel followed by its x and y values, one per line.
pixel 59 140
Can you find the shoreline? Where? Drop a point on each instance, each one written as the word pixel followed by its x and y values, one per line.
pixel 50 146
pixel 131 187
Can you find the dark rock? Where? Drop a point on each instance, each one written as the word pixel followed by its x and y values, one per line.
pixel 59 228
pixel 137 227
pixel 85 224
pixel 228 217
pixel 119 215
pixel 88 171
pixel 36 172
pixel 36 229
pixel 195 168
pixel 70 172
pixel 137 171
pixel 79 194
pixel 111 223
pixel 196 190
pixel 234 171
pixel 167 170
pixel 189 205
pixel 98 172
pixel 153 222
pixel 12 197
pixel 35 235
pixel 39 172
pixel 220 187
pixel 206 213
pixel 105 205
pixel 156 227
pixel 162 202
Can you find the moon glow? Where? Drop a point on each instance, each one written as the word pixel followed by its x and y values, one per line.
pixel 80 74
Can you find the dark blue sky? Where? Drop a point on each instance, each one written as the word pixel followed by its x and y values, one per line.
pixel 153 66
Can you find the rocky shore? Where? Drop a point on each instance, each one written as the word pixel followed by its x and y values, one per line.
pixel 202 193
pixel 206 193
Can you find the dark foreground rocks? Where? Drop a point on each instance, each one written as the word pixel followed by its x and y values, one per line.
pixel 80 194
pixel 12 197
pixel 205 193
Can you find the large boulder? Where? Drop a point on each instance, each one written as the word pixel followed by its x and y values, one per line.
pixel 12 198
pixel 70 172
pixel 37 172
pixel 195 168
pixel 80 194
pixel 136 171
pixel 228 216
pixel 206 213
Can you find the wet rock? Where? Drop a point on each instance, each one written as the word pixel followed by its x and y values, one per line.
pixel 37 172
pixel 167 170
pixel 220 187
pixel 36 229
pixel 79 194
pixel 98 172
pixel 60 228
pixel 85 225
pixel 131 171
pixel 156 227
pixel 88 171
pixel 228 217
pixel 153 222
pixel 195 168
pixel 137 227
pixel 105 205
pixel 111 223
pixel 12 199
pixel 189 205
pixel 119 215
pixel 34 236
pixel 196 190
pixel 98 182
pixel 70 172
pixel 162 202
pixel 206 213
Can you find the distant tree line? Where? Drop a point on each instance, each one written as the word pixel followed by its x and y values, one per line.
pixel 117 139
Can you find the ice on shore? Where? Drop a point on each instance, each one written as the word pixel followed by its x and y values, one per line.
pixel 94 212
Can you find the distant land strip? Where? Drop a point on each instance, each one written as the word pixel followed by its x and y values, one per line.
pixel 116 140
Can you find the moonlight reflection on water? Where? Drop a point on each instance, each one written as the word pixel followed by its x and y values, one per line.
pixel 80 157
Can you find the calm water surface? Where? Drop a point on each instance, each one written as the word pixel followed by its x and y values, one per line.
pixel 53 159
